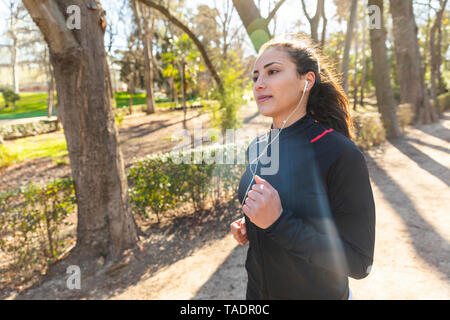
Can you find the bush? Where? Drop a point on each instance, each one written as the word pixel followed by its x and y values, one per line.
pixel 369 130
pixel 30 225
pixel 161 182
pixel 10 97
pixel 444 102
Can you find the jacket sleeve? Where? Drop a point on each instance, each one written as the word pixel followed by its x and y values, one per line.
pixel 347 244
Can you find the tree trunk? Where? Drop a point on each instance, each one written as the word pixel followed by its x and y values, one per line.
pixel 105 223
pixel 442 88
pixel 363 62
pixel 142 13
pixel 435 54
pixel 348 43
pixel 355 77
pixel 256 26
pixel 110 87
pixel 131 90
pixel 410 73
pixel 175 91
pixel 385 97
pixel 324 27
pixel 183 86
pixel 50 92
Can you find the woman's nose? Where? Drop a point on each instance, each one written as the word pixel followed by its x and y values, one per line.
pixel 259 84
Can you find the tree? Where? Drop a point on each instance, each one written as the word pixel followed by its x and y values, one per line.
pixel 163 10
pixel 436 56
pixel 348 42
pixel 257 27
pixel 381 73
pixel 314 21
pixel 186 59
pixel 143 18
pixel 105 223
pixel 410 72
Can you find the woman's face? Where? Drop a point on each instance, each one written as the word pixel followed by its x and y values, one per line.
pixel 277 88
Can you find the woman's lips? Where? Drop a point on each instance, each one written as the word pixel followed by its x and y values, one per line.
pixel 264 98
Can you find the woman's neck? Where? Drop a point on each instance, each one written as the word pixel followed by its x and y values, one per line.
pixel 278 120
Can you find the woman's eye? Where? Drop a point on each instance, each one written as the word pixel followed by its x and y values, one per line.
pixel 254 79
pixel 272 71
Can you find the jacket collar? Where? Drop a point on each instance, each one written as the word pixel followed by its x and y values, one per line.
pixel 301 123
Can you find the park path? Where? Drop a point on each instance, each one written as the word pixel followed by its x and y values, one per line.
pixel 410 178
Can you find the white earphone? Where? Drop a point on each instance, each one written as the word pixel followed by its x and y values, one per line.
pixel 282 127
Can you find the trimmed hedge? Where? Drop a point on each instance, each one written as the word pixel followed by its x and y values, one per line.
pixel 21 130
pixel 163 181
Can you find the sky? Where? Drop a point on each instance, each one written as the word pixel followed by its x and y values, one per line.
pixel 288 15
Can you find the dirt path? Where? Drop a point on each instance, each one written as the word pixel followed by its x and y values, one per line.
pixel 410 179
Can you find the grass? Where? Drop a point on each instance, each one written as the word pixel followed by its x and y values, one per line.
pixel 39 147
pixel 123 98
pixel 29 105
pixel 35 104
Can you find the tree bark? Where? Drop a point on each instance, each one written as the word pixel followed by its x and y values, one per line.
pixel 146 35
pixel 385 97
pixel 435 54
pixel 363 62
pixel 50 92
pixel 105 223
pixel 324 28
pixel 355 77
pixel 183 85
pixel 410 73
pixel 348 43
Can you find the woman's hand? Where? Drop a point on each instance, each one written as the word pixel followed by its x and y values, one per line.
pixel 239 231
pixel 263 204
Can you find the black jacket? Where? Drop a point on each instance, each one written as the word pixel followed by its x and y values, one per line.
pixel 326 232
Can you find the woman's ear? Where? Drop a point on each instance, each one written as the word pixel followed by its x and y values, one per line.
pixel 311 78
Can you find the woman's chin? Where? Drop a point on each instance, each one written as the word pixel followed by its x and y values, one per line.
pixel 266 111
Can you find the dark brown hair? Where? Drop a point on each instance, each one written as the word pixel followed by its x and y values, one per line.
pixel 327 102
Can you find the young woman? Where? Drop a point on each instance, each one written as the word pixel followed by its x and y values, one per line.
pixel 311 224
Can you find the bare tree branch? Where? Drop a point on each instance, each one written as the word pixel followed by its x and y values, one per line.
pixel 191 35
pixel 274 11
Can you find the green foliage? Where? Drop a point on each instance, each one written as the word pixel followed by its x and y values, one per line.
pixel 30 223
pixel 7 157
pixel 119 118
pixel 231 99
pixel 10 97
pixel 163 181
pixel 182 50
